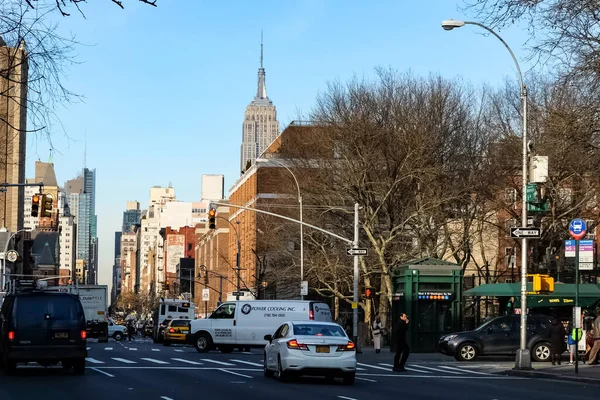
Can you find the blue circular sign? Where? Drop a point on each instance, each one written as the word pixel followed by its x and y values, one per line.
pixel 577 228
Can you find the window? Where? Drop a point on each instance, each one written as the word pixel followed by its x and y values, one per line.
pixel 225 311
pixel 180 322
pixel 318 330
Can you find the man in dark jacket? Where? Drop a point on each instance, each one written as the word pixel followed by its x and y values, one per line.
pixel 557 339
pixel 402 348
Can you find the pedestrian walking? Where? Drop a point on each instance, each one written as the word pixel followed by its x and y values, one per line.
pixel 130 330
pixel 377 334
pixel 402 349
pixel 593 360
pixel 557 340
pixel 571 342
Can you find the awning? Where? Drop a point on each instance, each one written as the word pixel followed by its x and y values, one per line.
pixel 563 295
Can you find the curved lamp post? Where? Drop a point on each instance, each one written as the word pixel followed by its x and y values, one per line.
pixel 523 360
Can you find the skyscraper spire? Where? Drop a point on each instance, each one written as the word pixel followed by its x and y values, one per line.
pixel 261 91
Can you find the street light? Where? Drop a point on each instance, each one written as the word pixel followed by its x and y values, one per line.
pixel 264 160
pixel 523 360
pixel 3 272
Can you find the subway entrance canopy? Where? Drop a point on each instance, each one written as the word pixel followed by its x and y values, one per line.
pixel 563 295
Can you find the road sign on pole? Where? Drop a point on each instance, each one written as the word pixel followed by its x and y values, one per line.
pixel 356 252
pixel 528 233
pixel 304 288
pixel 205 294
pixel 577 229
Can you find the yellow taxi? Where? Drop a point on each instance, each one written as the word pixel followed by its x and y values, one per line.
pixel 176 331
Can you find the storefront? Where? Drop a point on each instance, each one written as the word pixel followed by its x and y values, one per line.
pixel 429 291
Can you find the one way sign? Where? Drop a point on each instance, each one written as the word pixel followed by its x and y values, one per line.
pixel 356 252
pixel 525 233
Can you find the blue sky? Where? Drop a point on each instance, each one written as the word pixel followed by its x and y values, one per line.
pixel 166 88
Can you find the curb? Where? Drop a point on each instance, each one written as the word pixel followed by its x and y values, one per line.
pixel 547 375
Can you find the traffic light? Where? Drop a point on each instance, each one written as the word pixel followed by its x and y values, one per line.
pixel 46 206
pixel 35 205
pixel 167 286
pixel 206 277
pixel 212 216
pixel 540 283
pixel 370 293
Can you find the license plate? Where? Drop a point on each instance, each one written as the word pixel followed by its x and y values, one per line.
pixel 322 349
pixel 61 335
pixel 186 331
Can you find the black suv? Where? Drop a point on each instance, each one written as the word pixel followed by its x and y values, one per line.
pixel 500 336
pixel 42 327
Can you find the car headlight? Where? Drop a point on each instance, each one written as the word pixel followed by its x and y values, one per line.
pixel 448 338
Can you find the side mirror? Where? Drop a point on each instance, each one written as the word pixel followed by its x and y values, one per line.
pixel 268 338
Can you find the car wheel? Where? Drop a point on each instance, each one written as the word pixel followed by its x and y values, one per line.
pixel 282 376
pixel 349 378
pixel 267 372
pixel 226 349
pixel 466 352
pixel 79 366
pixel 202 342
pixel 118 336
pixel 541 352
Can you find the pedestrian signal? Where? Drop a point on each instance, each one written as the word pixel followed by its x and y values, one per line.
pixel 46 206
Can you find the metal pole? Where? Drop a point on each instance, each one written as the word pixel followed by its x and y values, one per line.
pixel 237 264
pixel 523 360
pixel 301 245
pixel 576 303
pixel 355 297
pixel 220 289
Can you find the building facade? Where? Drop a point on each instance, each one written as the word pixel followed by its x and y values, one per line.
pixel 13 132
pixel 260 127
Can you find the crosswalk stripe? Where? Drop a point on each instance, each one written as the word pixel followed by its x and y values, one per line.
pixel 186 361
pixel 93 360
pixel 218 362
pixel 154 361
pixel 463 371
pixel 407 368
pixel 373 366
pixel 132 348
pixel 124 360
pixel 235 373
pixel 179 350
pixel 248 362
pixel 155 349
pixel 438 370
pixel 87 348
pixel 108 348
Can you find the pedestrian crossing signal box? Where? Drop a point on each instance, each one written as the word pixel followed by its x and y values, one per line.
pixel 539 284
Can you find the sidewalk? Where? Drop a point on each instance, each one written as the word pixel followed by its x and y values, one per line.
pixel 587 373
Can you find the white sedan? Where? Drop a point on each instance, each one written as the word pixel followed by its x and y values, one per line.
pixel 310 348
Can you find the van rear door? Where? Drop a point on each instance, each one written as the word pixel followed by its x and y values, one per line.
pixel 65 318
pixel 320 311
pixel 28 319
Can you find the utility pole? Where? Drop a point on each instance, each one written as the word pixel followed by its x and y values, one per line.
pixel 355 297
pixel 237 267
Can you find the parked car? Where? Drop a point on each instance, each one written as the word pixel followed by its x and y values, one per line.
pixel 310 348
pixel 43 327
pixel 176 331
pixel 499 336
pixel 116 331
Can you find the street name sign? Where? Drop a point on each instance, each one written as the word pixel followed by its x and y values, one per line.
pixel 356 252
pixel 525 233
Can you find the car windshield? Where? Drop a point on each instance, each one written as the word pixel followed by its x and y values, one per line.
pixel 318 330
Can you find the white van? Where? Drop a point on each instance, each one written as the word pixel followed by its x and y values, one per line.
pixel 245 323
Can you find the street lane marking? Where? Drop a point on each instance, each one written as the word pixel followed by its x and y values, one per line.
pixel 165 398
pixel 124 361
pixel 186 361
pixel 179 350
pixel 248 362
pixel 462 370
pixel 365 379
pixel 439 370
pixel 235 373
pixel 346 398
pixel 155 349
pixel 401 375
pixel 219 362
pixel 87 348
pixel 373 366
pixel 247 352
pixel 155 361
pixel 132 349
pixel 407 368
pixel 93 360
pixel 108 348
pixel 360 369
pixel 102 372
pixel 189 368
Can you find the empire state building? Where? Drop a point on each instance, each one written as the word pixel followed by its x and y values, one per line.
pixel 260 127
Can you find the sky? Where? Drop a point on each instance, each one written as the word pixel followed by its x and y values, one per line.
pixel 165 89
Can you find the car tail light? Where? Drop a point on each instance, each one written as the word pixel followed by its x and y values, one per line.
pixel 83 334
pixel 348 347
pixel 172 330
pixel 11 335
pixel 294 345
pixel 311 314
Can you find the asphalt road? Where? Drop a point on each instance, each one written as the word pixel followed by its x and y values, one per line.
pixel 143 370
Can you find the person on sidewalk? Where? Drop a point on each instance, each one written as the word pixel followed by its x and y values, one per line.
pixel 402 348
pixel 571 342
pixel 593 360
pixel 377 333
pixel 557 340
